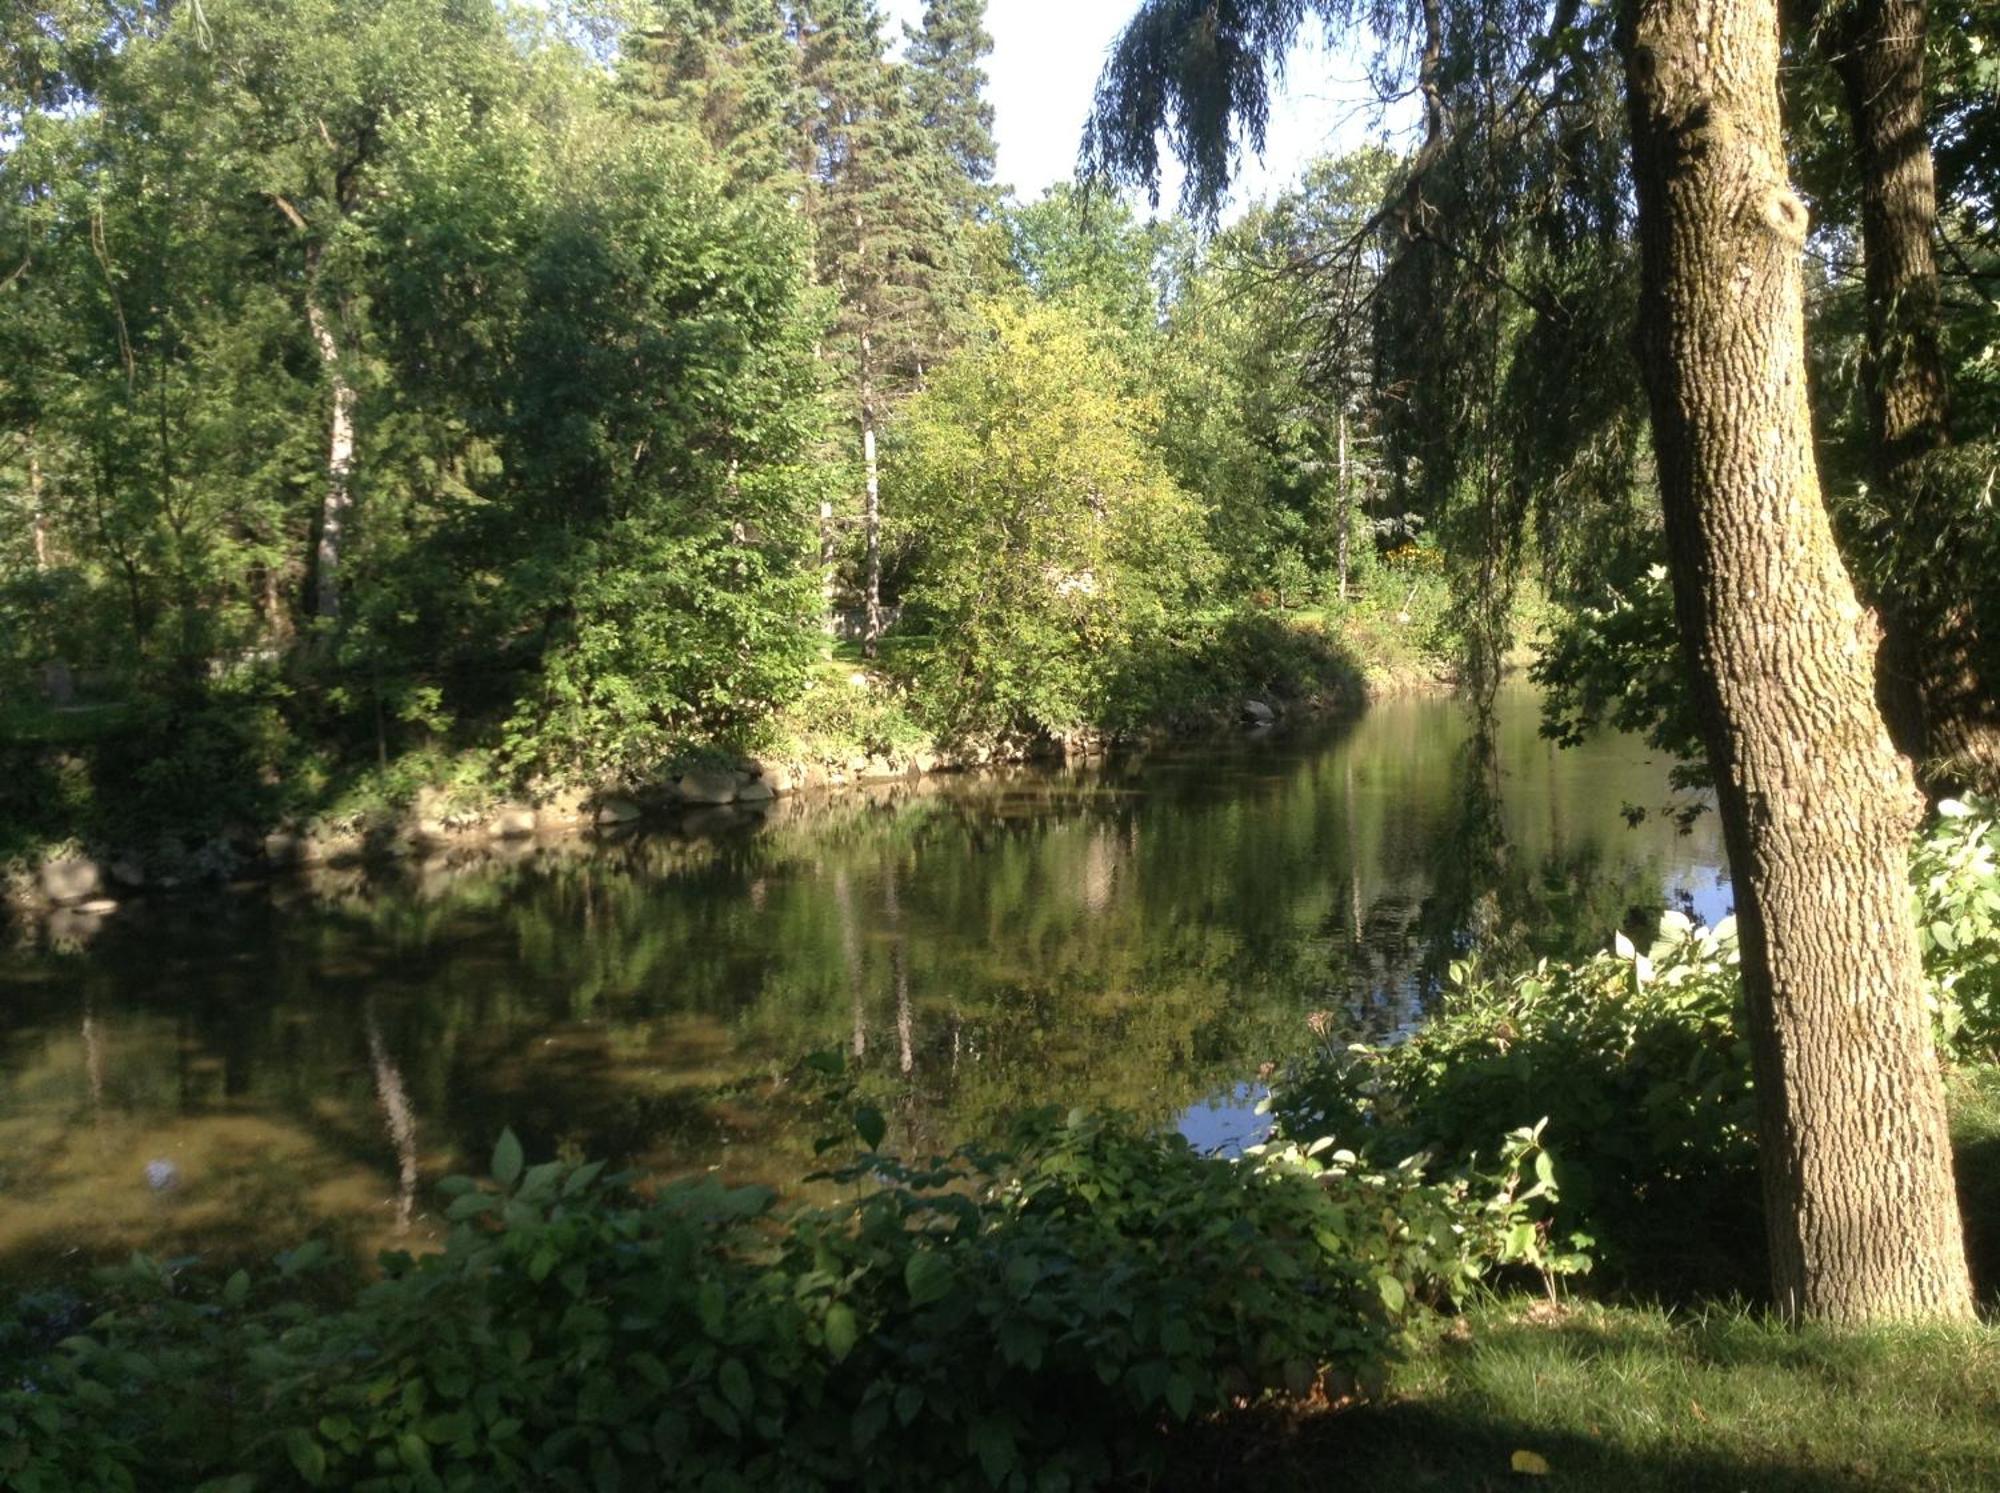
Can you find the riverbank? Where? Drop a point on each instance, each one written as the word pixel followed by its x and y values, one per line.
pixel 101 843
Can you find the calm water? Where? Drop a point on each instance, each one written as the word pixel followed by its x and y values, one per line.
pixel 231 1072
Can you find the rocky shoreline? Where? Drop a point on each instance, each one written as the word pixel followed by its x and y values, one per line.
pixel 72 894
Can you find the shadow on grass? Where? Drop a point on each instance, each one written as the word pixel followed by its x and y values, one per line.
pixel 1637 1400
pixel 1414 1446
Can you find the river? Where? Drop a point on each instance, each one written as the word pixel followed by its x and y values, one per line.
pixel 227 1073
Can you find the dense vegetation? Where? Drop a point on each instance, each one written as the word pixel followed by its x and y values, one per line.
pixel 448 396
pixel 493 399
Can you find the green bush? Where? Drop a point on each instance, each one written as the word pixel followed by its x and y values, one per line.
pixel 1199 667
pixel 1636 1059
pixel 1640 1064
pixel 1039 1321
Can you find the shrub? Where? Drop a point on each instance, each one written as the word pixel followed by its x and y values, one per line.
pixel 1640 1064
pixel 1039 1321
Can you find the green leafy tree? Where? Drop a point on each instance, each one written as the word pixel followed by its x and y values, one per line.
pixel 1053 538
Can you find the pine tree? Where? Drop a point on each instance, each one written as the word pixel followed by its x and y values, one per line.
pixel 727 70
pixel 948 85
pixel 885 233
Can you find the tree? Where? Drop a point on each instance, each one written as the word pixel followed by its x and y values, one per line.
pixel 1817 806
pixel 884 237
pixel 1053 539
pixel 1936 663
pixel 948 85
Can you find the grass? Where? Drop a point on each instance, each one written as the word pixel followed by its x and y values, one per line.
pixel 1637 1399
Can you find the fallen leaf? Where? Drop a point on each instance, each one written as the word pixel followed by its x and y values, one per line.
pixel 1530 1464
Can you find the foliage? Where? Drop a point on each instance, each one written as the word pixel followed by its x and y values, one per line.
pixel 1639 1061
pixel 1956 867
pixel 1040 1320
pixel 1053 541
pixel 1612 663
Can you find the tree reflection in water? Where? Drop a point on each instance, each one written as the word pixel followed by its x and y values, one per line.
pixel 1136 934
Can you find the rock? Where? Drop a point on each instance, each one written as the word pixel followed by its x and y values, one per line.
pixel 756 791
pixel 616 811
pixel 1257 713
pixel 753 767
pixel 880 770
pixel 514 822
pixel 570 806
pixel 333 849
pixel 926 763
pixel 708 785
pixel 129 872
pixel 69 881
pixel 712 821
pixel 283 848
pixel 162 1175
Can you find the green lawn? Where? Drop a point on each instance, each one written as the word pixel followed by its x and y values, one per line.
pixel 1634 1400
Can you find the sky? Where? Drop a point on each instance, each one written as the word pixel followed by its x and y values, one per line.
pixel 1043 71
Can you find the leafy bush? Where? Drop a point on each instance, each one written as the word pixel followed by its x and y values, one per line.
pixel 1956 868
pixel 1039 1321
pixel 1636 1059
pixel 1202 666
pixel 835 718
pixel 1640 1064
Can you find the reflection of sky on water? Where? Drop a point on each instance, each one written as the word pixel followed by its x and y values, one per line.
pixel 1223 1124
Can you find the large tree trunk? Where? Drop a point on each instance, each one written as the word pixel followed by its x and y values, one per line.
pixel 338 501
pixel 1877 49
pixel 1817 806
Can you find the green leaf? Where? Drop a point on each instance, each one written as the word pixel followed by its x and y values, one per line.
pixel 1180 1395
pixel 307 1455
pixel 870 1126
pixel 507 1158
pixel 928 1277
pixel 734 1382
pixel 992 1441
pixel 842 1330
pixel 1393 1295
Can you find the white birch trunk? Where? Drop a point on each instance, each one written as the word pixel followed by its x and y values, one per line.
pixel 339 499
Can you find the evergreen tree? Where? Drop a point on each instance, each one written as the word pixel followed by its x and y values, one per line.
pixel 728 71
pixel 948 84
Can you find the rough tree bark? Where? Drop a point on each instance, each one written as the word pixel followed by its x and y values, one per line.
pixel 1876 47
pixel 1817 805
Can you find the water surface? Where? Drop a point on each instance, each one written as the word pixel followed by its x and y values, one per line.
pixel 227 1073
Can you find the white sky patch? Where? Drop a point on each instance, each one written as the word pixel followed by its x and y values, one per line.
pixel 1043 72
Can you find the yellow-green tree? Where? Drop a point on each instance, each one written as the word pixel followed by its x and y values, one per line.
pixel 1053 540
